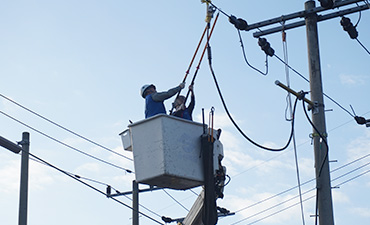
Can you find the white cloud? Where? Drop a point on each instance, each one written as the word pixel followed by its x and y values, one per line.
pixel 352 80
pixel 362 212
pixel 339 196
pixel 10 175
pixel 258 205
pixel 88 168
pixel 359 147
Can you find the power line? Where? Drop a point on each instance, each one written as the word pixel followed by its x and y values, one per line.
pixel 90 186
pixel 246 60
pixel 179 203
pixel 62 127
pixel 363 46
pixel 309 181
pixel 344 182
pixel 66 145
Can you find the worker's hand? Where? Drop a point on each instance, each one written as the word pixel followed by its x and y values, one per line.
pixel 182 85
pixel 191 88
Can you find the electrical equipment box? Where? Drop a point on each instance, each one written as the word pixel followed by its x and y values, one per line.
pixel 166 151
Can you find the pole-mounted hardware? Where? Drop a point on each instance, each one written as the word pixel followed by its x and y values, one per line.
pixel 266 47
pixel 10 145
pixel 297 94
pixel 348 26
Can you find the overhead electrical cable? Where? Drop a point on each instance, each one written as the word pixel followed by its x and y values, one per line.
pixel 311 180
pixel 277 212
pixel 179 203
pixel 274 206
pixel 363 46
pixel 64 128
pixel 233 121
pixel 98 182
pixel 331 99
pixel 344 182
pixel 92 187
pixel 66 145
pixel 304 78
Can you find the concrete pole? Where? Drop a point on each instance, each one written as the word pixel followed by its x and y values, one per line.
pixel 23 195
pixel 135 203
pixel 325 205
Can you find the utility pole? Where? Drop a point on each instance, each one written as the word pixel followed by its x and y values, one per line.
pixel 323 186
pixel 323 183
pixel 23 195
pixel 135 203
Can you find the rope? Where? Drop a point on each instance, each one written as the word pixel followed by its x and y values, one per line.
pixel 285 50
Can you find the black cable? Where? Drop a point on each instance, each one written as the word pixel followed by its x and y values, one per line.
pixel 62 127
pixel 363 46
pixel 296 70
pixel 245 57
pixel 90 186
pixel 320 135
pixel 66 145
pixel 240 130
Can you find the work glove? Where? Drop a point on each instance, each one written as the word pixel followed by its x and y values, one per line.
pixel 182 85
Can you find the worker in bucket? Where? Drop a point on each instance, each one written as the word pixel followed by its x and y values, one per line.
pixel 179 105
pixel 154 100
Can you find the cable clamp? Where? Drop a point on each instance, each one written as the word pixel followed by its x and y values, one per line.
pixel 313 135
pixel 315 107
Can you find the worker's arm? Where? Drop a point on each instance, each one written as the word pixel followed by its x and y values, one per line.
pixel 161 96
pixel 192 101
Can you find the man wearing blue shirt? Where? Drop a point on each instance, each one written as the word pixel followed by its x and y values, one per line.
pixel 154 100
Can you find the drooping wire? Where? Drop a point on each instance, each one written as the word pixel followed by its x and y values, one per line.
pixel 331 99
pixel 236 125
pixel 90 186
pixel 246 60
pixel 64 128
pixel 64 144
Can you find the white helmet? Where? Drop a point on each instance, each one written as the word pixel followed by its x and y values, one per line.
pixel 144 88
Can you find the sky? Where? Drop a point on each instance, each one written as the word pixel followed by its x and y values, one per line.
pixel 82 63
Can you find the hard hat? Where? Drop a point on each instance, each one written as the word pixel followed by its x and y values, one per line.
pixel 144 88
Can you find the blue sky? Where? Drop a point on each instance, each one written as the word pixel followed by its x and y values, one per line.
pixel 81 64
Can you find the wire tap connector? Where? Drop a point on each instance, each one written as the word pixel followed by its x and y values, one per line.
pixel 210 11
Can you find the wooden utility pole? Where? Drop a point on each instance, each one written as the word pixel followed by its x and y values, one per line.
pixel 323 186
